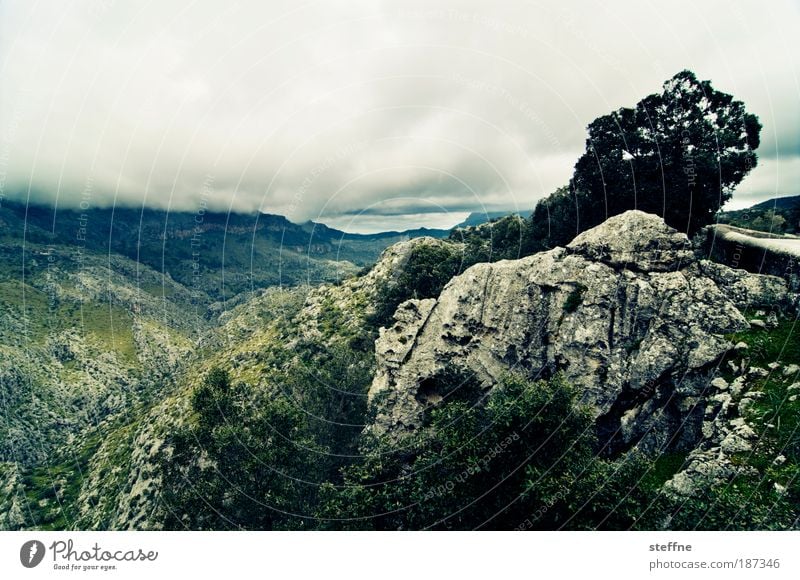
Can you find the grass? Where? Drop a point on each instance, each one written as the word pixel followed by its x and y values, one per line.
pixel 663 468
pixel 775 417
pixel 158 290
pixel 25 299
pixel 110 326
pixel 52 491
pixel 777 344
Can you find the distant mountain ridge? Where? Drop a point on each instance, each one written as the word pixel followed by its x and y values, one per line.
pixel 221 254
pixel 787 202
pixel 477 218
pixel 780 215
pixel 218 254
pixel 333 233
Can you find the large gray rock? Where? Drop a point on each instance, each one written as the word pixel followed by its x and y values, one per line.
pixel 744 289
pixel 624 312
pixel 635 240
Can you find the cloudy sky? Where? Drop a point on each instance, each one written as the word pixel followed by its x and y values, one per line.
pixel 365 115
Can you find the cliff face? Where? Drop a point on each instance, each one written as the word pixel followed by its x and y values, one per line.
pixel 626 312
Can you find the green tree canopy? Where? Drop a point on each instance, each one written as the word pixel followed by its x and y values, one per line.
pixel 677 154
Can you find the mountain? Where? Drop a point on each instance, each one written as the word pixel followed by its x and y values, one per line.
pixel 481 217
pixel 392 234
pixel 627 296
pixel 779 203
pixel 217 255
pixel 645 332
pixel 87 342
pixel 619 382
pixel 780 215
pixel 99 312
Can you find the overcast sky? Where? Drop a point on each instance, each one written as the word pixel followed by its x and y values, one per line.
pixel 363 115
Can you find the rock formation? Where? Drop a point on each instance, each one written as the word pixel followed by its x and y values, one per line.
pixel 626 312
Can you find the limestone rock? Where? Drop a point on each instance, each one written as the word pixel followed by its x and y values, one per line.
pixel 743 288
pixel 634 240
pixel 625 312
pixel 791 370
pixel 720 384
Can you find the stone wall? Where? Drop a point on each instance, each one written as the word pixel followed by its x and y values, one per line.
pixel 752 251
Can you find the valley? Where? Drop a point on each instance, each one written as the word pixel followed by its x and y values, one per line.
pixel 133 397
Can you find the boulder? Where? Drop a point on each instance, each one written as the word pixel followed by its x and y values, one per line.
pixel 625 312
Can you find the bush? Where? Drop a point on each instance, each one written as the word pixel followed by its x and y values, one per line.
pixel 523 457
pixel 507 238
pixel 242 463
pixel 426 271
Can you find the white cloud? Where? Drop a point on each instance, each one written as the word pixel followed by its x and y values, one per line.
pixel 774 177
pixel 323 110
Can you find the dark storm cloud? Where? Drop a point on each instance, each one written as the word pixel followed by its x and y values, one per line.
pixel 328 110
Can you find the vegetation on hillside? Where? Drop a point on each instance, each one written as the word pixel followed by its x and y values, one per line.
pixel 274 434
pixel 423 275
pixel 780 216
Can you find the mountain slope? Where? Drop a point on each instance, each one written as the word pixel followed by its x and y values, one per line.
pixel 776 216
pixel 277 337
pixel 87 342
pixel 622 382
pixel 218 254
pixel 477 218
pixel 782 203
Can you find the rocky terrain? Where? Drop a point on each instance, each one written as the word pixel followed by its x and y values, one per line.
pixel 256 339
pixel 673 355
pixel 627 313
pixel 87 342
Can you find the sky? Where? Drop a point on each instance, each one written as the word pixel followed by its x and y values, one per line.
pixel 364 115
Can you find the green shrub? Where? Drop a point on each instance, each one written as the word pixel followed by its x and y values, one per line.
pixel 426 271
pixel 491 463
pixel 245 462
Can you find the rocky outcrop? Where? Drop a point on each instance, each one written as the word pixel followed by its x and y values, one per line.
pixel 357 296
pixel 626 312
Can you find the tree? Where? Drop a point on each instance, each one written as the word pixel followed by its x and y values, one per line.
pixel 770 221
pixel 244 461
pixel 506 238
pixel 794 219
pixel 678 154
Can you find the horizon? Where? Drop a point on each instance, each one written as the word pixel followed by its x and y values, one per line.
pixel 366 224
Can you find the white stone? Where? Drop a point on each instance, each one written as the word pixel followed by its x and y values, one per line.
pixel 790 370
pixel 720 384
